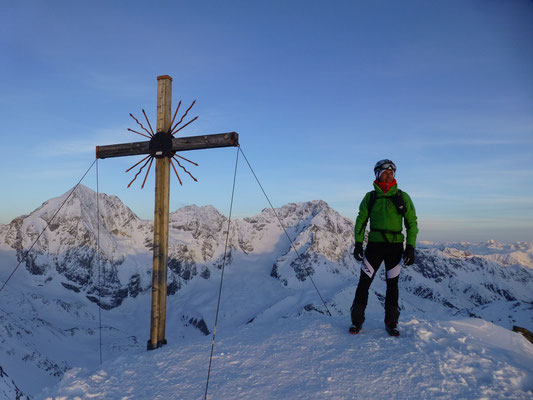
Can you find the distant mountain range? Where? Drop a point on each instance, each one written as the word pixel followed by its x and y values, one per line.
pixel 49 310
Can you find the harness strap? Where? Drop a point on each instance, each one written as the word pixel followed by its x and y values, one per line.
pixel 384 231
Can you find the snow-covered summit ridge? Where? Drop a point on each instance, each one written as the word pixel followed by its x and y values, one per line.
pixel 313 357
pixel 76 223
pixel 320 235
pixel 74 242
pixel 78 219
pixel 73 223
pixel 509 254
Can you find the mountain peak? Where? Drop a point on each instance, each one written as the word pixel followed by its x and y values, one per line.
pixel 71 220
pixel 205 214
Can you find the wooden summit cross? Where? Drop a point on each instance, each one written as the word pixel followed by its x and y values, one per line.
pixel 163 147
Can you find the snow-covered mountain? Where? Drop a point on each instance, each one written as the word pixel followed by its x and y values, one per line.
pixel 8 388
pixel 49 310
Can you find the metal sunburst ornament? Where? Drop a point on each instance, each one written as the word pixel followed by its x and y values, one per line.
pixel 161 145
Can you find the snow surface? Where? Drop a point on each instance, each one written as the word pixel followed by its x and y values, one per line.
pixel 314 357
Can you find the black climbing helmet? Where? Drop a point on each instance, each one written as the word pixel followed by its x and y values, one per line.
pixel 383 165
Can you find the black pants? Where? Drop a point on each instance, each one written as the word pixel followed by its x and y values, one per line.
pixel 375 254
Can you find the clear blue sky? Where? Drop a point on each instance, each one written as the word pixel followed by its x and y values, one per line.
pixel 318 91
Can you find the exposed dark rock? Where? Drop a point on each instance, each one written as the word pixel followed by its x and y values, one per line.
pixel 446 303
pixel 206 272
pixel 109 298
pixel 70 287
pixel 525 332
pixel 310 307
pixel 198 323
pixel 302 267
pixel 173 287
pixel 245 246
pixel 19 395
pixel 275 274
pixel 134 285
pixel 220 261
pixel 32 265
pixel 381 298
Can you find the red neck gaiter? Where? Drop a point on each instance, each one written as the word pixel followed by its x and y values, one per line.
pixel 385 186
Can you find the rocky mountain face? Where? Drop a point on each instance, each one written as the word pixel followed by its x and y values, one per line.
pixel 74 247
pixel 49 310
pixel 8 388
pixel 490 285
pixel 70 252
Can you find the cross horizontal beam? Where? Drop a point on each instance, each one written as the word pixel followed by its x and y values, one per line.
pixel 230 139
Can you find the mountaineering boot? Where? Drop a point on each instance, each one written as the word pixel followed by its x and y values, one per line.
pixel 392 329
pixel 354 329
pixel 357 312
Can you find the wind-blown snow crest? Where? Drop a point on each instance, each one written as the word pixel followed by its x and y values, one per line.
pixel 313 357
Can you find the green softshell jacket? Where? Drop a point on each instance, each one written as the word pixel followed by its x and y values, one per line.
pixel 385 216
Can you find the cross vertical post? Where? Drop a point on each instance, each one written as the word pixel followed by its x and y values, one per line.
pixel 163 146
pixel 161 215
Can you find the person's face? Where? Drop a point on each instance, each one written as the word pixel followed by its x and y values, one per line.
pixel 387 176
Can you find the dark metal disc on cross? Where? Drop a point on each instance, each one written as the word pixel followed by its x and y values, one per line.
pixel 163 147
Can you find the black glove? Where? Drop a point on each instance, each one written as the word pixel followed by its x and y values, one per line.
pixel 409 255
pixel 358 251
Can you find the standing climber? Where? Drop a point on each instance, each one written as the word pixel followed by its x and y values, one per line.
pixel 386 207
